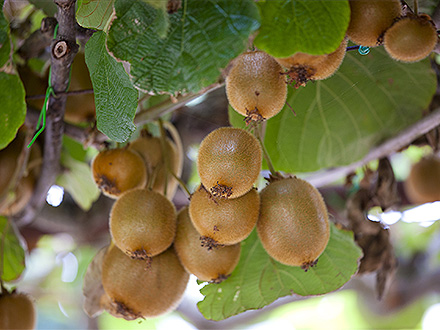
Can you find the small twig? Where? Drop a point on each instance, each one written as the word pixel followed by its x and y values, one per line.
pixel 394 144
pixel 69 93
pixel 266 156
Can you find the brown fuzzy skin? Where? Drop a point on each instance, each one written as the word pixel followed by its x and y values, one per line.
pixel 136 291
pixel 207 265
pixel 116 171
pixel 423 182
pixel 370 19
pixel 229 157
pixel 17 311
pixel 293 225
pixel 143 223
pixel 303 67
pixel 225 221
pixel 411 39
pixel 149 147
pixel 256 84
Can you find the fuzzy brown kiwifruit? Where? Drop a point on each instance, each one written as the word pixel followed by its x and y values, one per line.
pixel 213 265
pixel 136 291
pixel 369 19
pixel 116 171
pixel 302 67
pixel 150 149
pixel 411 39
pixel 423 182
pixel 17 311
pixel 255 86
pixel 221 221
pixel 143 223
pixel 229 162
pixel 293 225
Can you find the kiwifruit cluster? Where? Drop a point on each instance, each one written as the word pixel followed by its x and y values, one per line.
pixel 18 175
pixel 408 38
pixel 423 182
pixel 17 311
pixel 141 274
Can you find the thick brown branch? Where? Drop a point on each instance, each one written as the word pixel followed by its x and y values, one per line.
pixel 394 144
pixel 64 48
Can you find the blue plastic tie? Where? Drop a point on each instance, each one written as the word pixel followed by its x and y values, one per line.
pixel 363 50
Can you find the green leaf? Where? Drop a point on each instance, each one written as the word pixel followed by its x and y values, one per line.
pixel 49 7
pixel 13 107
pixel 77 180
pixel 258 279
pixel 289 26
pixel 5 45
pixel 115 96
pixel 202 38
pixel 338 120
pixel 94 14
pixel 13 252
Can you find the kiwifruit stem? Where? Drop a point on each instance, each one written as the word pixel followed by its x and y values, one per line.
pixel 416 7
pixel 266 156
pixel 165 154
pixel 175 136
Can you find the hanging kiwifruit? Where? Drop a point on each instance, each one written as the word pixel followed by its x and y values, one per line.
pixel 411 39
pixel 302 67
pixel 221 221
pixel 118 170
pixel 256 86
pixel 143 223
pixel 213 265
pixel 229 162
pixel 369 19
pixel 423 182
pixel 293 225
pixel 150 149
pixel 17 311
pixel 136 291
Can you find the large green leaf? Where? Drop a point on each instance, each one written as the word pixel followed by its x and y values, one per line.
pixel 77 180
pixel 258 279
pixel 5 45
pixel 13 107
pixel 202 38
pixel 12 250
pixel 339 120
pixel 115 96
pixel 94 14
pixel 289 26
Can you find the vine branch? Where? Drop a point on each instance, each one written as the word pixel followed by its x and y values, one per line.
pixel 64 49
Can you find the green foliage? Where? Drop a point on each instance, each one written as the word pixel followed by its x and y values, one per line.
pixel 49 7
pixel 13 107
pixel 5 45
pixel 338 120
pixel 94 14
pixel 11 252
pixel 115 96
pixel 290 26
pixel 202 38
pixel 77 180
pixel 258 279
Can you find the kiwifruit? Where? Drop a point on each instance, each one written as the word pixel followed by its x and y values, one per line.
pixel 118 170
pixel 256 86
pixel 139 292
pixel 302 67
pixel 229 162
pixel 17 311
pixel 150 149
pixel 213 265
pixel 221 221
pixel 423 182
pixel 411 38
pixel 293 225
pixel 370 19
pixel 143 223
